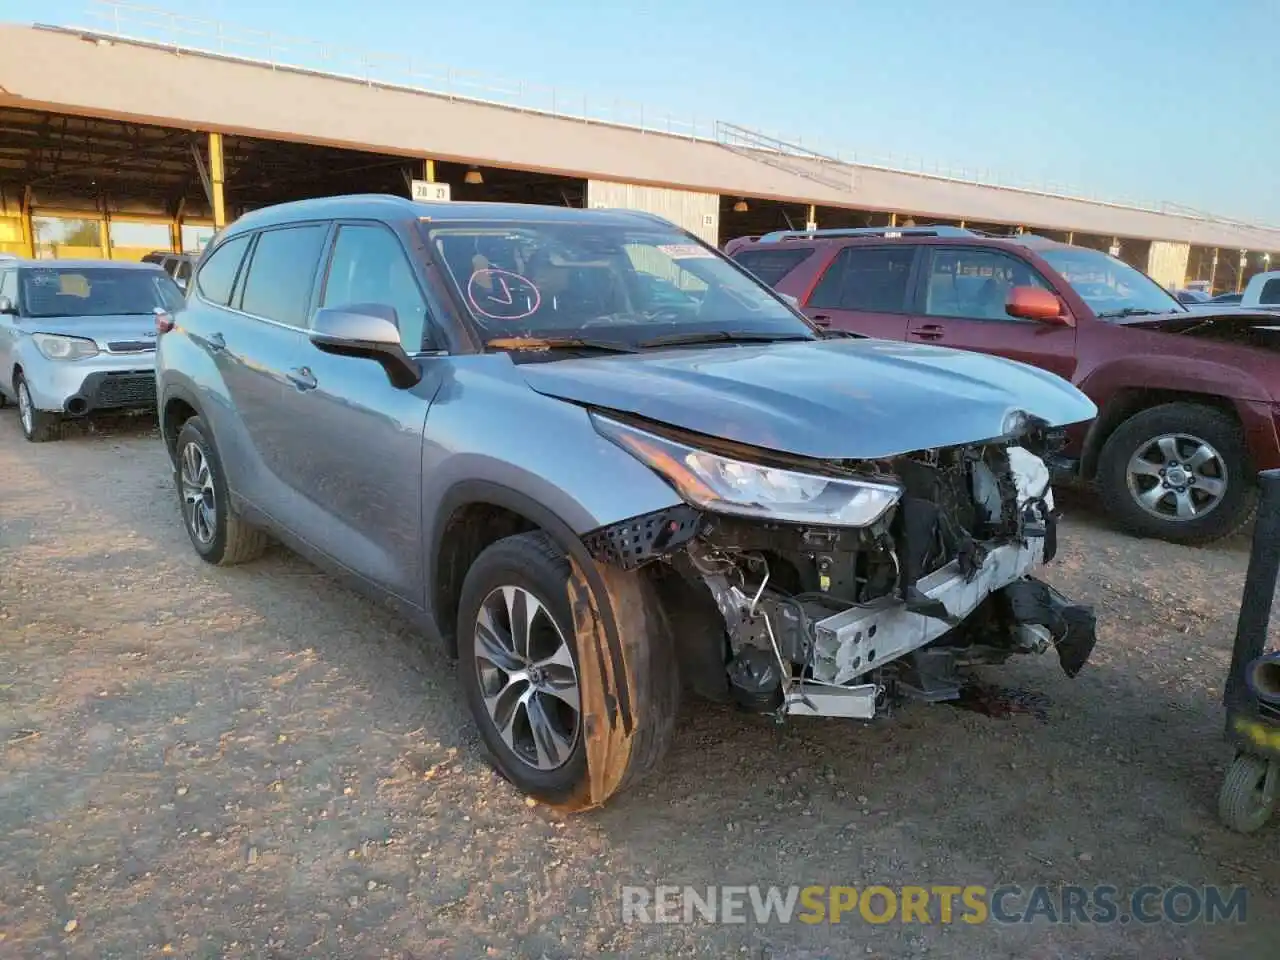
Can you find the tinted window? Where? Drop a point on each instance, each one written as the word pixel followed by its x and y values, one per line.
pixel 281 273
pixel 872 279
pixel 369 266
pixel 9 284
pixel 772 265
pixel 218 273
pixel 1270 292
pixel 183 273
pixel 975 284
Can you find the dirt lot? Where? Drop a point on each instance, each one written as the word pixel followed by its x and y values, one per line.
pixel 257 763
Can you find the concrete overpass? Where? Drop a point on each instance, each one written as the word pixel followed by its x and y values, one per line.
pixel 173 97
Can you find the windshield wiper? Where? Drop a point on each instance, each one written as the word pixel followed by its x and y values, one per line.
pixel 1131 312
pixel 720 336
pixel 558 343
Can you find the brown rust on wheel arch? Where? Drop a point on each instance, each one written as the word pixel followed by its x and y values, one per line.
pixel 626 680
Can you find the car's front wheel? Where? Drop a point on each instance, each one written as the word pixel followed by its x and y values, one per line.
pixel 526 678
pixel 217 534
pixel 1180 472
pixel 38 426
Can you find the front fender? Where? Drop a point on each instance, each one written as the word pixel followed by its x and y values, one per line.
pixel 1181 374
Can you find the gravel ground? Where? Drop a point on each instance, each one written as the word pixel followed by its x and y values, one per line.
pixel 257 763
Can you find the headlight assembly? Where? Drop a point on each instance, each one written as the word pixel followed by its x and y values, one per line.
pixel 724 485
pixel 57 347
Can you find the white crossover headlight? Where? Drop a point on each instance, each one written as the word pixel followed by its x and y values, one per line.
pixel 725 485
pixel 57 347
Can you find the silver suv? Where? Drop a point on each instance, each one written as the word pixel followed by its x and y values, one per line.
pixel 600 462
pixel 78 338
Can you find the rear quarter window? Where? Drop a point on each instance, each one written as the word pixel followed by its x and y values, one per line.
pixel 1270 292
pixel 772 265
pixel 218 274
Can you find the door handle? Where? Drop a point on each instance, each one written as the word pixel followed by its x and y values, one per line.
pixel 928 331
pixel 821 319
pixel 303 378
pixel 217 342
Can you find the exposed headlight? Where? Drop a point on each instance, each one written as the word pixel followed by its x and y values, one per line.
pixel 724 485
pixel 57 347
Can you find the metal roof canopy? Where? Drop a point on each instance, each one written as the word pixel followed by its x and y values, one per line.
pixel 239 96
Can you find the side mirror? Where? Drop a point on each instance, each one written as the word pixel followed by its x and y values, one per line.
pixel 367 331
pixel 1036 303
pixel 7 307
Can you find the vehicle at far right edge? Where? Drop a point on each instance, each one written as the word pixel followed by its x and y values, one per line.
pixel 1188 399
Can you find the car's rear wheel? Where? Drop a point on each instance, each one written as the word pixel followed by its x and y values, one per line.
pixel 38 426
pixel 521 669
pixel 1180 472
pixel 217 534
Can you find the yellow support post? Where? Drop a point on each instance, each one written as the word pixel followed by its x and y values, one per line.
pixel 28 231
pixel 893 219
pixel 429 171
pixel 812 222
pixel 1244 262
pixel 217 176
pixel 104 230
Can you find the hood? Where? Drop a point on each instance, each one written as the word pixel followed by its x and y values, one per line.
pixel 1250 325
pixel 103 330
pixel 826 399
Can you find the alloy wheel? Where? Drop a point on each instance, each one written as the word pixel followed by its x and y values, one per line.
pixel 528 680
pixel 199 503
pixel 26 409
pixel 1177 477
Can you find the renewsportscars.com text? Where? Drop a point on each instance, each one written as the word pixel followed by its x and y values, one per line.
pixel 938 904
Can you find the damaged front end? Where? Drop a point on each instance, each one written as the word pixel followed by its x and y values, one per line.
pixel 840 588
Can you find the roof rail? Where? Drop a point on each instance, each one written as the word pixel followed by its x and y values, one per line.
pixel 939 231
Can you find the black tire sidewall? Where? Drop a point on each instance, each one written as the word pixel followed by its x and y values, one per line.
pixel 193 431
pixel 528 561
pixel 1205 423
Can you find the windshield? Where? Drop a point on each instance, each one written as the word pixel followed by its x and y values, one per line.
pixel 96 292
pixel 1109 286
pixel 609 283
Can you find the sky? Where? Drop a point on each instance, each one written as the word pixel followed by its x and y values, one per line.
pixel 1149 101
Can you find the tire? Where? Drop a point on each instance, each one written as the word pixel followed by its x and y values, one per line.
pixel 1243 803
pixel 38 426
pixel 502 580
pixel 216 533
pixel 1190 427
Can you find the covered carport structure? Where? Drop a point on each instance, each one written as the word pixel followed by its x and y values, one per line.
pixel 182 138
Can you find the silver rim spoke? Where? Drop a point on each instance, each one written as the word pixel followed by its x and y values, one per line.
pixel 1177 477
pixel 24 407
pixel 551 745
pixel 527 678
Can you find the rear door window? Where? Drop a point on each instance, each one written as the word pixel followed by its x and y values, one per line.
pixel 282 273
pixel 772 265
pixel 1270 292
pixel 873 279
pixel 218 274
pixel 183 273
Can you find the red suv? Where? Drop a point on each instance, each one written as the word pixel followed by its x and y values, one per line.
pixel 1187 398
